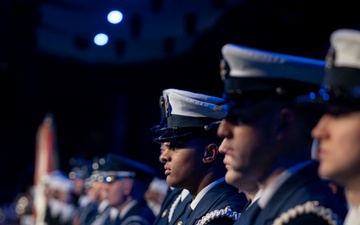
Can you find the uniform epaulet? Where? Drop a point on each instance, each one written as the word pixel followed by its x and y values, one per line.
pixel 310 207
pixel 226 213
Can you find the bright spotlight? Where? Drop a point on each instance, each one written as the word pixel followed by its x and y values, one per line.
pixel 115 17
pixel 101 39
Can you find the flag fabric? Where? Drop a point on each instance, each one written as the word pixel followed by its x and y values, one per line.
pixel 46 161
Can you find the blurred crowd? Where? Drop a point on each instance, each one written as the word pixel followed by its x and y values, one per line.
pixel 79 197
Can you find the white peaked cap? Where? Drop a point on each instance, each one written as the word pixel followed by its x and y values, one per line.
pixel 159 185
pixel 248 62
pixel 189 114
pixel 342 78
pixel 346 44
pixel 190 104
pixel 60 181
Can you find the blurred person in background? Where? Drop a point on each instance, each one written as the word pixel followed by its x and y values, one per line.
pixel 87 213
pixel 81 169
pixel 128 181
pixel 155 194
pixel 99 191
pixel 60 205
pixel 24 207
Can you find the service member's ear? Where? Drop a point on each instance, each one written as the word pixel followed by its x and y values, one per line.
pixel 128 186
pixel 210 153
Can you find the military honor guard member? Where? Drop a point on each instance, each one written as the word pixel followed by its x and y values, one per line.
pixel 192 160
pixel 81 170
pixel 100 198
pixel 268 137
pixel 155 194
pixel 338 131
pixel 128 181
pixel 175 199
pixel 60 203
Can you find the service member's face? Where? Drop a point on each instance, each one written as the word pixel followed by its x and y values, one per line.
pixel 118 191
pixel 94 192
pixel 104 190
pixel 182 163
pixel 338 134
pixel 239 180
pixel 79 186
pixel 162 149
pixel 249 141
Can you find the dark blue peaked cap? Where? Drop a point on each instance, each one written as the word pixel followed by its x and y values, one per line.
pixel 81 168
pixel 118 167
pixel 99 169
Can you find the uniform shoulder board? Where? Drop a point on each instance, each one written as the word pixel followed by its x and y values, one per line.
pixel 219 213
pixel 311 209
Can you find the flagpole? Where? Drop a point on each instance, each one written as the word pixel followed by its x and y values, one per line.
pixel 46 161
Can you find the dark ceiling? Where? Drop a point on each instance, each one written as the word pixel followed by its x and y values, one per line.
pixel 107 100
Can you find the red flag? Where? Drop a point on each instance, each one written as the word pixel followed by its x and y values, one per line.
pixel 46 161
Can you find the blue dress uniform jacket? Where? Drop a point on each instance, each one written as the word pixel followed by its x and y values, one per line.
pixel 88 214
pixel 300 200
pixel 139 214
pixel 162 217
pixel 180 210
pixel 100 217
pixel 220 205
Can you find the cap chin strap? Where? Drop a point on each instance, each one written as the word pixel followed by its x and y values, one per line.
pixel 172 134
pixel 212 125
pixel 332 94
pixel 165 137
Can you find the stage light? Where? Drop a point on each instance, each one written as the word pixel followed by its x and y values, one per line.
pixel 101 39
pixel 115 17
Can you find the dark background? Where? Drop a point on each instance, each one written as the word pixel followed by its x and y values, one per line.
pixel 108 107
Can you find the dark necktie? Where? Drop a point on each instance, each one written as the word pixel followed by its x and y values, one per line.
pixel 246 206
pixel 188 211
pixel 181 208
pixel 184 217
pixel 249 215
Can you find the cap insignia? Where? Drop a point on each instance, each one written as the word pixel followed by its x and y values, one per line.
pixel 223 69
pixel 167 106
pixel 330 58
